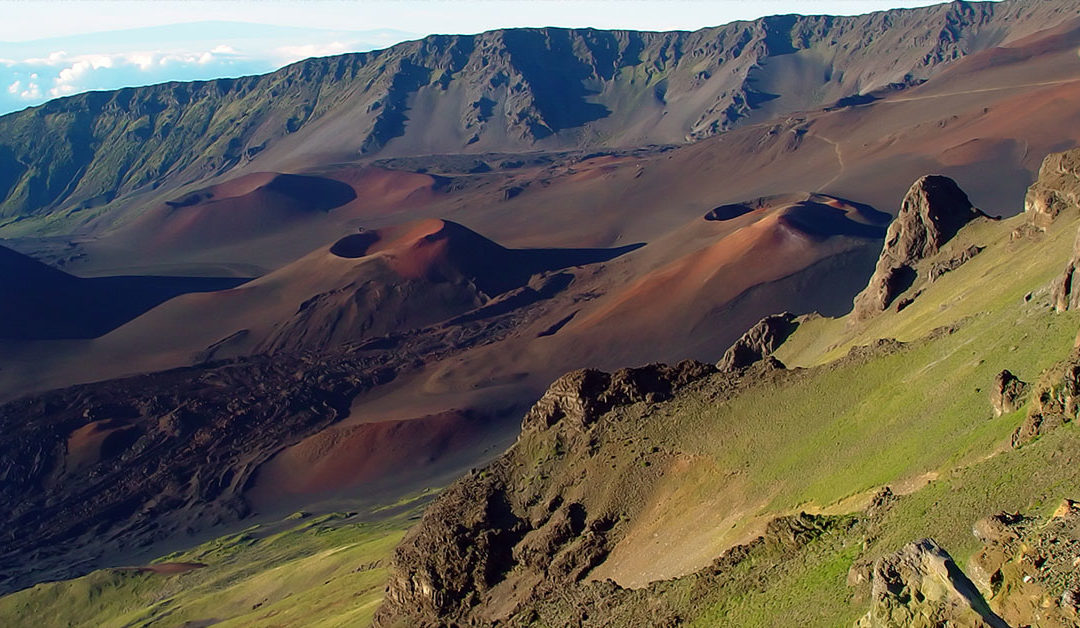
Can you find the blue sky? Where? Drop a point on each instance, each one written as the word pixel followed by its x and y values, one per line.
pixel 55 48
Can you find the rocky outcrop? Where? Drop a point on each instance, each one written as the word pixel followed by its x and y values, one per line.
pixel 1026 568
pixel 759 341
pixel 1056 190
pixel 1025 574
pixel 1065 291
pixel 1007 393
pixel 937 269
pixel 1055 400
pixel 933 210
pixel 921 586
pixel 521 528
pixel 581 397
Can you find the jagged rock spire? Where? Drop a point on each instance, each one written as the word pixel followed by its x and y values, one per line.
pixel 933 210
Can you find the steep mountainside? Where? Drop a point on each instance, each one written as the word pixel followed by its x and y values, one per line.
pixel 501 90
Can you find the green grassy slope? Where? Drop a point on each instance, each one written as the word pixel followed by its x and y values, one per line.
pixel 812 439
pixel 328 570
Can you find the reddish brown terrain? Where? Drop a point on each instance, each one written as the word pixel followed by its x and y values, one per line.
pixel 415 292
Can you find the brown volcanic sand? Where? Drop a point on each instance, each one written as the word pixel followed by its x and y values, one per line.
pixel 343 457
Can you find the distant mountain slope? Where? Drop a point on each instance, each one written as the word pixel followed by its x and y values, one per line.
pixel 501 90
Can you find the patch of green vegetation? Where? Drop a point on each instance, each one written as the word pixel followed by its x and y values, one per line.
pixel 797 591
pixel 327 571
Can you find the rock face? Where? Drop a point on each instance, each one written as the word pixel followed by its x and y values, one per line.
pixel 581 397
pixel 938 269
pixel 1065 291
pixel 1055 400
pixel 934 209
pixel 495 539
pixel 1006 395
pixel 759 341
pixel 921 586
pixel 1027 567
pixel 1056 190
pixel 501 90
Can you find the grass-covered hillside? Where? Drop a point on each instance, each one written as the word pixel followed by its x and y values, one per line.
pixel 326 570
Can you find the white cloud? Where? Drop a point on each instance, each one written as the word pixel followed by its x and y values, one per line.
pixel 295 53
pixel 43 71
pixel 32 92
pixel 64 74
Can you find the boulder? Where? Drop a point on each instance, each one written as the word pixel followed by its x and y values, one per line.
pixel 921 586
pixel 1055 190
pixel 1007 393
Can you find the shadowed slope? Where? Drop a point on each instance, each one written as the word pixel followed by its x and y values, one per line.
pixel 40 302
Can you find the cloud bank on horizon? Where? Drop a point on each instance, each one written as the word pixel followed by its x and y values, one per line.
pixel 37 71
pixel 66 47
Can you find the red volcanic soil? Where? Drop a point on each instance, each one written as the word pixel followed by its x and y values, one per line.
pixel 345 456
pixel 244 208
pixel 782 238
pixel 381 192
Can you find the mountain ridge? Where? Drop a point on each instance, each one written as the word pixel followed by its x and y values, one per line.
pixel 475 93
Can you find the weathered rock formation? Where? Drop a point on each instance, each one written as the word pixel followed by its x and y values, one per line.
pixel 1055 400
pixel 921 586
pixel 1007 393
pixel 933 210
pixel 1065 291
pixel 1027 567
pixel 1056 190
pixel 759 341
pixel 581 397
